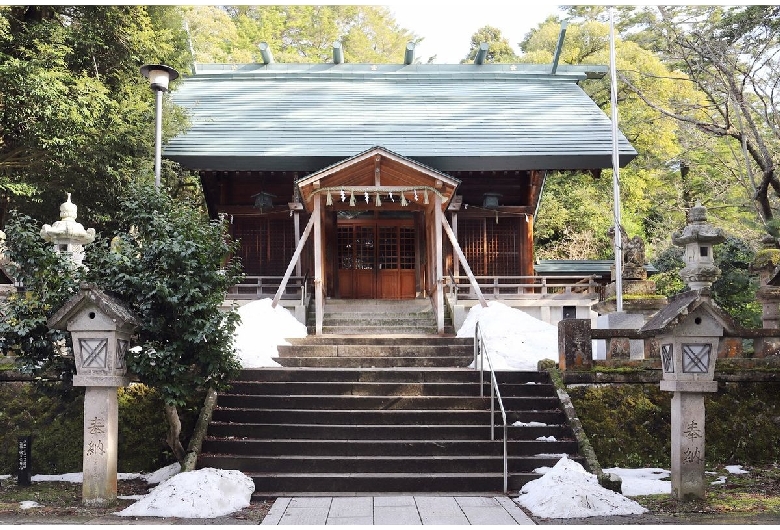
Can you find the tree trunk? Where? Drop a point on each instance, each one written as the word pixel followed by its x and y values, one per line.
pixel 199 433
pixel 174 430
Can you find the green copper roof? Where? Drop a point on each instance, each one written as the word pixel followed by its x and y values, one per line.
pixel 449 117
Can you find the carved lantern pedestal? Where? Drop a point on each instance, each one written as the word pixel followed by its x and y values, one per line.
pixel 101 329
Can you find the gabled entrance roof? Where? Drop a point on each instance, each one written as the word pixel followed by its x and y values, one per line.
pixel 303 117
pixel 377 170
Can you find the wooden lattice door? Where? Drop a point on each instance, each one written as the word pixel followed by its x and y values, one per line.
pixel 376 260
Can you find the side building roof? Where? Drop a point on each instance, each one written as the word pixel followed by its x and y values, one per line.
pixel 280 117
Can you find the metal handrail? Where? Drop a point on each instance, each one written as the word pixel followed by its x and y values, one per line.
pixel 480 353
pixel 304 288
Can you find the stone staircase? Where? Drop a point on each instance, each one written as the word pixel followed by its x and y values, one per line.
pixel 366 317
pixel 343 430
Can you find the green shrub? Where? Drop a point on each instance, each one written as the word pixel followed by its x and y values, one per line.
pixel 56 423
pixel 629 424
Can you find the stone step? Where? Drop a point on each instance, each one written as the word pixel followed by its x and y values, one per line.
pixel 358 329
pixel 397 375
pixel 290 431
pixel 386 464
pixel 314 402
pixel 365 350
pixel 271 485
pixel 382 340
pixel 382 417
pixel 382 448
pixel 382 388
pixel 374 362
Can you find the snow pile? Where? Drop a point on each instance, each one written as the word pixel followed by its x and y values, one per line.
pixel 568 491
pixel 647 481
pixel 515 340
pixel 736 470
pixel 161 475
pixel 261 329
pixel 26 505
pixel 204 493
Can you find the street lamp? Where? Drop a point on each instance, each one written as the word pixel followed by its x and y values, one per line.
pixel 159 75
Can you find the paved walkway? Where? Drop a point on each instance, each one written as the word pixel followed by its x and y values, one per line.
pixel 396 510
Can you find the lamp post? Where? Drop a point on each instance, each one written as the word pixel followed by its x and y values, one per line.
pixel 159 75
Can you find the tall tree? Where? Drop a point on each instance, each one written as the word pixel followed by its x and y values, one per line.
pixel 499 49
pixel 75 113
pixel 676 164
pixel 732 56
pixel 297 33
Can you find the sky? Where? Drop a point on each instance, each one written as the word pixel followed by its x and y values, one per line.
pixel 447 27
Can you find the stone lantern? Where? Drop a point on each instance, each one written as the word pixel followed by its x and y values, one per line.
pixel 688 332
pixel 68 236
pixel 101 330
pixel 698 237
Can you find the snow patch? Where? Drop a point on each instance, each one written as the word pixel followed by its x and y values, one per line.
pixel 647 481
pixel 262 328
pixel 162 474
pixel 26 505
pixel 719 481
pixel 529 424
pixel 547 439
pixel 736 470
pixel 514 339
pixel 568 491
pixel 204 493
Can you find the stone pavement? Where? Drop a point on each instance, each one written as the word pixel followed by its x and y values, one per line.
pixel 396 510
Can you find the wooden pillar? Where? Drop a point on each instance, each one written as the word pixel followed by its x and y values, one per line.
pixel 438 278
pixel 527 266
pixel 455 260
pixel 297 224
pixel 319 300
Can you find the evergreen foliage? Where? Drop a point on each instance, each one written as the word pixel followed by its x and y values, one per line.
pixel 49 281
pixel 172 269
pixel 75 113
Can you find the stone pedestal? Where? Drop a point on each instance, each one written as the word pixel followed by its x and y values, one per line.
pixel 101 427
pixel 688 420
pixel 574 345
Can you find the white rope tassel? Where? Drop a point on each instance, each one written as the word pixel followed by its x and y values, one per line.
pixel 425 193
pixel 403 199
pixel 378 201
pixel 351 198
pixel 329 200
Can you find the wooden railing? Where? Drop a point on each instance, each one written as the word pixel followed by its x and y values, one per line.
pixel 509 287
pixel 256 287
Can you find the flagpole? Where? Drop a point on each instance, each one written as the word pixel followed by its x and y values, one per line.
pixel 615 167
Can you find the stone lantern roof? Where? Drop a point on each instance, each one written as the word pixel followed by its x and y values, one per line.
pixel 698 230
pixel 90 295
pixel 682 305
